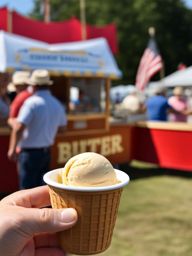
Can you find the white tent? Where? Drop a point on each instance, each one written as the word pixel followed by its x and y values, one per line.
pixel 121 91
pixel 89 58
pixel 178 78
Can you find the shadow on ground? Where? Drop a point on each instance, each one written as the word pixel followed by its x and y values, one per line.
pixel 138 173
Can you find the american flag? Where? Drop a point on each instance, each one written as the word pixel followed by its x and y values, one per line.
pixel 151 62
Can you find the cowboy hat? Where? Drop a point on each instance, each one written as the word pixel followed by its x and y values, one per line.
pixel 40 77
pixel 20 78
pixel 11 87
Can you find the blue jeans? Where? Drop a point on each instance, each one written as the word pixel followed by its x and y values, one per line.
pixel 32 165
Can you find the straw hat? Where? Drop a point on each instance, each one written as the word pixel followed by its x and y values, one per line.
pixel 11 87
pixel 178 91
pixel 20 77
pixel 40 77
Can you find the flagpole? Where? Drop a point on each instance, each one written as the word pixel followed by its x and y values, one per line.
pixel 162 71
pixel 152 33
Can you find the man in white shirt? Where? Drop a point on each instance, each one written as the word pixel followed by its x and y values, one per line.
pixel 39 119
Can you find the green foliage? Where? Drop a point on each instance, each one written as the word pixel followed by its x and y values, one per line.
pixel 171 19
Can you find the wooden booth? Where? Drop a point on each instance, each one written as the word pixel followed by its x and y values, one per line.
pixel 90 129
pixel 82 74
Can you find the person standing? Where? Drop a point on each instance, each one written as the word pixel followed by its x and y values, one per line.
pixel 38 122
pixel 132 107
pixel 19 81
pixel 157 106
pixel 179 102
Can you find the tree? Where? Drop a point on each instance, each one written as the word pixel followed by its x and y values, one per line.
pixel 171 18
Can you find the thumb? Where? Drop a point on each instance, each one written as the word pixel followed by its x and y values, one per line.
pixel 48 220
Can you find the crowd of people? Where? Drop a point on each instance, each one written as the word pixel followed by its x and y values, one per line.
pixel 155 107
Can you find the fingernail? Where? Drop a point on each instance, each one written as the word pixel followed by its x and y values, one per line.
pixel 68 215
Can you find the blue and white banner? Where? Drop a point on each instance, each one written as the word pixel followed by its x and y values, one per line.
pixel 93 56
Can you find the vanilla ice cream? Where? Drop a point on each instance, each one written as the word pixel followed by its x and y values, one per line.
pixel 89 169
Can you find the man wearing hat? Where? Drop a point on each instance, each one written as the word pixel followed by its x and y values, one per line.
pixel 39 119
pixel 20 85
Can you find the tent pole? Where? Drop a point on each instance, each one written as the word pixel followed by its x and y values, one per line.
pixel 83 19
pixel 9 21
pixel 47 9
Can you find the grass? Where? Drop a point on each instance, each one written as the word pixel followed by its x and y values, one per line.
pixel 155 218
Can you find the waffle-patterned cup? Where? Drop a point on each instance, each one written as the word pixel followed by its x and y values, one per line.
pixel 97 209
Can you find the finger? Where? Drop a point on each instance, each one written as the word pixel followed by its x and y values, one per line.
pixel 48 220
pixel 29 198
pixel 29 250
pixel 46 240
pixel 49 252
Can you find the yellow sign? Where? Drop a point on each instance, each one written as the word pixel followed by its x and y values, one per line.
pixel 106 145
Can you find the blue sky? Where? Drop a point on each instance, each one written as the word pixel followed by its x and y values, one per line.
pixel 21 6
pixel 25 6
pixel 188 3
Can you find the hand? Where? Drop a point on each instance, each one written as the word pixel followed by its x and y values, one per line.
pixel 27 229
pixel 12 155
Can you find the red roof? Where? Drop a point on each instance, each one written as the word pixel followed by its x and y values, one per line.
pixel 55 32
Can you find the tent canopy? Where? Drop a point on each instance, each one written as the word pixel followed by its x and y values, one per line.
pixel 83 58
pixel 55 32
pixel 178 78
pixel 121 91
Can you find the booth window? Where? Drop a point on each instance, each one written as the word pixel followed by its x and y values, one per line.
pixel 87 95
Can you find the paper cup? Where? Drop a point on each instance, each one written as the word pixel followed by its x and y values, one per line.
pixel 97 209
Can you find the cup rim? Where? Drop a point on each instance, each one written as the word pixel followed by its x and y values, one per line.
pixel 121 176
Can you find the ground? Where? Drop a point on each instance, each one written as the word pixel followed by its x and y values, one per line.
pixel 155 215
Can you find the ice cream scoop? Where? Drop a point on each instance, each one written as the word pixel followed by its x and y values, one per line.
pixel 89 169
